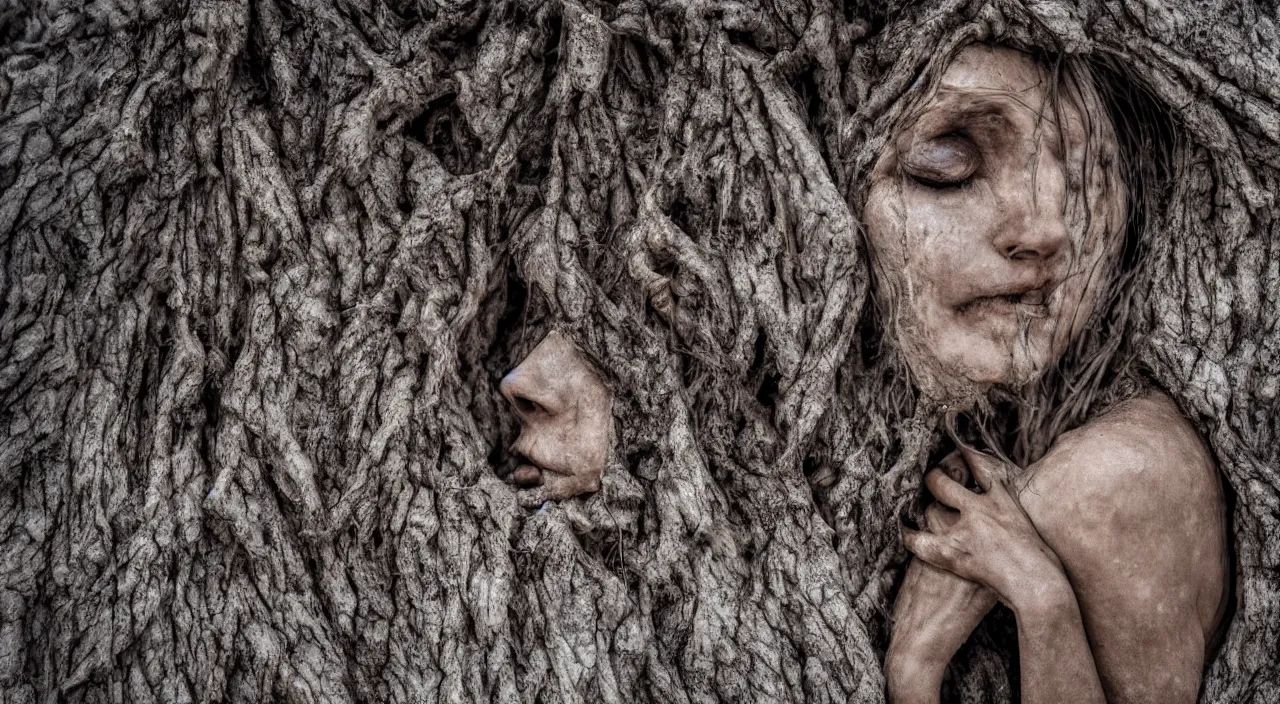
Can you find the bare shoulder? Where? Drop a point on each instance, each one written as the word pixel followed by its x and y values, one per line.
pixel 1141 458
pixel 1133 506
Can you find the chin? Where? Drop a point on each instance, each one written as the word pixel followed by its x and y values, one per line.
pixel 960 362
pixel 1015 369
pixel 971 371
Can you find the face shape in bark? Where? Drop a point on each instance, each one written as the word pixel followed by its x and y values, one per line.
pixel 566 419
pixel 995 218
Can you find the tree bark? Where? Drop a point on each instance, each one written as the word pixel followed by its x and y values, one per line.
pixel 265 261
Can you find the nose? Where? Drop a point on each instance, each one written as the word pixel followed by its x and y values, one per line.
pixel 526 392
pixel 542 385
pixel 1036 227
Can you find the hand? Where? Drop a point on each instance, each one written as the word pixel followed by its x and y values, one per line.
pixel 986 538
pixel 933 615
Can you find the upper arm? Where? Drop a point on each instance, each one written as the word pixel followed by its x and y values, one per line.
pixel 1132 506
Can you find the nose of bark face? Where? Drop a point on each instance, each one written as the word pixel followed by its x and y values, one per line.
pixel 541 385
pixel 524 390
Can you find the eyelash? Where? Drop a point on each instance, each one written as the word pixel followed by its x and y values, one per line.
pixel 942 185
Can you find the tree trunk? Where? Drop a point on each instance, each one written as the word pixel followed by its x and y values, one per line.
pixel 264 262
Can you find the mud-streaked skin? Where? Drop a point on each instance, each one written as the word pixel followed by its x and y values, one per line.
pixel 995 219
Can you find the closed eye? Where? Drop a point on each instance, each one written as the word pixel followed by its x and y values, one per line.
pixel 943 162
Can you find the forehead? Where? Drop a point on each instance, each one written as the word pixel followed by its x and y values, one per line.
pixel 983 69
pixel 998 86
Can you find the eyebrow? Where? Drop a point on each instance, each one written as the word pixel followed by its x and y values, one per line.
pixel 968 105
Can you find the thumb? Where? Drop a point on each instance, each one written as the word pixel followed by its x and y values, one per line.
pixel 987 470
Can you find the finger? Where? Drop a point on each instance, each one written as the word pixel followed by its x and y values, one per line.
pixel 987 470
pixel 953 464
pixel 938 517
pixel 927 547
pixel 946 490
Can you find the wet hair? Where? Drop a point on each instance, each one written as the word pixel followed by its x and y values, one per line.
pixel 1098 369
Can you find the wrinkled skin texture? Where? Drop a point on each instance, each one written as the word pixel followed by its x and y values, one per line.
pixel 979 224
pixel 566 420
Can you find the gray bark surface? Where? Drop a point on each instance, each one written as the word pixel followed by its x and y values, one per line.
pixel 264 262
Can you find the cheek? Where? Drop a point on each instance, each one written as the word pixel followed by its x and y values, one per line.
pixel 1089 275
pixel 591 429
pixel 946 254
pixel 898 234
pixel 885 221
pixel 943 254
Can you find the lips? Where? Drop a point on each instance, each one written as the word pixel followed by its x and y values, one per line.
pixel 527 475
pixel 529 472
pixel 1034 297
pixel 1024 302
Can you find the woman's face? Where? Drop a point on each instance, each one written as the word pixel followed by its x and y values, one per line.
pixel 995 217
pixel 566 419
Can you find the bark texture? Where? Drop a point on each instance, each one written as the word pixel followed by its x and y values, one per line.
pixel 264 262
